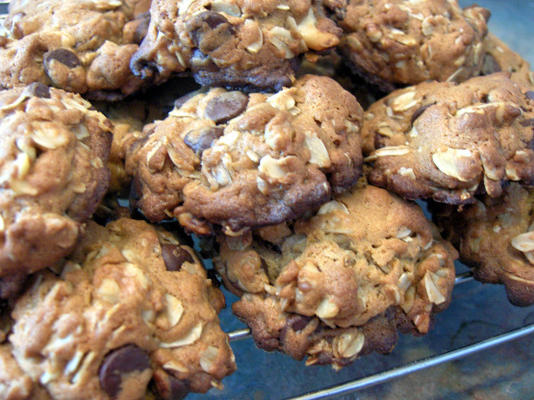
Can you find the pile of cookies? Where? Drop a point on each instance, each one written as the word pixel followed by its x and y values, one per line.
pixel 113 159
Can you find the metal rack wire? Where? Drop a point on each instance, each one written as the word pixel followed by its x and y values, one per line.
pixel 396 372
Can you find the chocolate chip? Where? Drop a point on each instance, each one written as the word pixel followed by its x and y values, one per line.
pixel 169 387
pixel 64 56
pixel 298 322
pixel 420 111
pixel 174 256
pixel 530 95
pixel 490 65
pixel 209 30
pixel 39 90
pixel 118 363
pixel 142 28
pixel 226 106
pixel 527 122
pixel 201 139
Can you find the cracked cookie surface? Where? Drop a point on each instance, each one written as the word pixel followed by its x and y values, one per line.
pixel 80 46
pixel 244 161
pixel 54 148
pixel 449 141
pixel 495 237
pixel 341 283
pixel 236 43
pixel 130 305
pixel 404 42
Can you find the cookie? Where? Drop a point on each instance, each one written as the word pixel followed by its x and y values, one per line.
pixel 80 46
pixel 243 161
pixel 495 238
pixel 231 43
pixel 449 141
pixel 131 305
pixel 14 384
pixel 499 57
pixel 401 42
pixel 340 284
pixel 52 175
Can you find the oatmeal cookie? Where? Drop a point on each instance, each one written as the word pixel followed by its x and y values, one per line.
pixel 236 43
pixel 244 161
pixel 81 46
pixel 402 42
pixel 499 57
pixel 340 284
pixel 52 175
pixel 496 238
pixel 449 141
pixel 130 305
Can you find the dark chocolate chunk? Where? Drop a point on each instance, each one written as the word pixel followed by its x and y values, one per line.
pixel 209 30
pixel 64 56
pixel 226 106
pixel 39 90
pixel 201 139
pixel 174 256
pixel 169 387
pixel 120 362
pixel 298 322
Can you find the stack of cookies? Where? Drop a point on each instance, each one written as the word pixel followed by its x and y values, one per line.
pixel 114 159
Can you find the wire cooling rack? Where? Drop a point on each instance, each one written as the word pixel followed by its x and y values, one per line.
pixel 485 316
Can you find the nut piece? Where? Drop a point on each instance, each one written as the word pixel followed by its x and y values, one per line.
pixel 524 242
pixel 432 291
pixel 327 309
pixel 319 153
pixel 349 344
pixel 192 336
pixel 455 163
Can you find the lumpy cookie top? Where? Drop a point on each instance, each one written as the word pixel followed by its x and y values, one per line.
pixel 54 148
pixel 236 43
pixel 130 305
pixel 80 46
pixel 448 141
pixel 496 238
pixel 367 256
pixel 410 41
pixel 499 57
pixel 244 161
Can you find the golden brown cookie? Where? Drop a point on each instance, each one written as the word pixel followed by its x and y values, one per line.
pixel 237 43
pixel 81 46
pixel 52 175
pixel 499 57
pixel 244 161
pixel 130 305
pixel 449 141
pixel 340 284
pixel 494 236
pixel 405 42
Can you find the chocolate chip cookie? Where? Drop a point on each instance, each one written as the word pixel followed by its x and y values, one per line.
pixel 496 238
pixel 130 305
pixel 244 161
pixel 52 176
pixel 80 46
pixel 340 284
pixel 403 42
pixel 232 43
pixel 449 141
pixel 499 57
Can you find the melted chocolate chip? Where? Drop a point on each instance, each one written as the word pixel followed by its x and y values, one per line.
pixel 64 56
pixel 39 90
pixel 169 387
pixel 174 256
pixel 490 65
pixel 420 111
pixel 226 106
pixel 201 139
pixel 530 95
pixel 209 30
pixel 298 322
pixel 120 362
